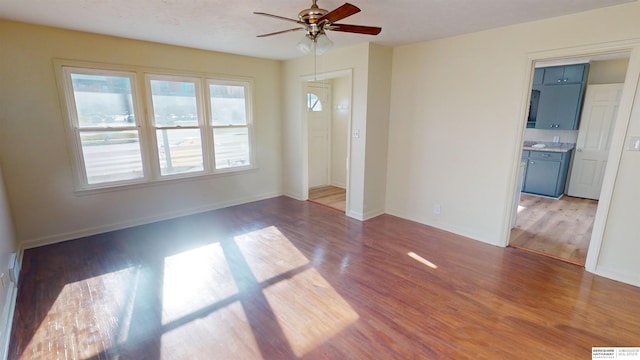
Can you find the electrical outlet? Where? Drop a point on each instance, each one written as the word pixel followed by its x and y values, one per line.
pixel 436 209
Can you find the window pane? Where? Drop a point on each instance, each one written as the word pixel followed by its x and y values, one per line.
pixel 174 103
pixel 313 102
pixel 228 105
pixel 231 147
pixel 111 156
pixel 179 150
pixel 103 101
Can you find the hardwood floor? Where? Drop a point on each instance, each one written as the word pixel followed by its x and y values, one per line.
pixel 287 279
pixel 330 196
pixel 557 228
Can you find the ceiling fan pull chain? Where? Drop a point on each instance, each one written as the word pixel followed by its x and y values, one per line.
pixel 315 61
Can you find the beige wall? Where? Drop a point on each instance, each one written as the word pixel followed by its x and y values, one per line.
pixel 38 167
pixel 7 246
pixel 456 125
pixel 608 71
pixel 378 105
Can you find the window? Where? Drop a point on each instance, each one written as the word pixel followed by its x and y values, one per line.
pixel 194 126
pixel 177 125
pixel 229 117
pixel 105 126
pixel 313 102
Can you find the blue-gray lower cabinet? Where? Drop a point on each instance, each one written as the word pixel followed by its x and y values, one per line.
pixel 546 172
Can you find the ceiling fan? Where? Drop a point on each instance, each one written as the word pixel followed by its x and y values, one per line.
pixel 315 21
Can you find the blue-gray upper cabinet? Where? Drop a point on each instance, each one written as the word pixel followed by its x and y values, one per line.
pixel 561 96
pixel 559 107
pixel 538 75
pixel 558 75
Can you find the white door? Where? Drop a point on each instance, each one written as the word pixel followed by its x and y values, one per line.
pixel 594 138
pixel 319 120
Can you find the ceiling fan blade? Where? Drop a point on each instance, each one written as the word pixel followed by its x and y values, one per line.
pixel 280 32
pixel 368 30
pixel 280 17
pixel 339 13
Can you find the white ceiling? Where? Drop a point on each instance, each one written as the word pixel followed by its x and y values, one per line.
pixel 230 25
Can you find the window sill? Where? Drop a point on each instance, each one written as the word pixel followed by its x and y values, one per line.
pixel 163 181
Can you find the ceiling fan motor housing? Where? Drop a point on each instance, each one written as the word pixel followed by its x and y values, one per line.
pixel 311 15
pixel 315 21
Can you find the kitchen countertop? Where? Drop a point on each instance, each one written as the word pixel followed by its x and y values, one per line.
pixel 548 146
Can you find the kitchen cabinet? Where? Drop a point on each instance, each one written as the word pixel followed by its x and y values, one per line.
pixel 559 75
pixel 546 172
pixel 559 107
pixel 538 75
pixel 557 96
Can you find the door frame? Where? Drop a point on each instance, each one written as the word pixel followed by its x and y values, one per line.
pixel 348 73
pixel 631 47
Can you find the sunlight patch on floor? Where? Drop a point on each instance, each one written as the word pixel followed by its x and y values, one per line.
pixel 231 337
pixel 422 260
pixel 194 280
pixel 65 324
pixel 269 253
pixel 309 310
pixel 193 296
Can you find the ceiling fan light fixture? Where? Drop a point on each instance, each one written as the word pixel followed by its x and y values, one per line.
pixel 318 44
pixel 323 43
pixel 306 44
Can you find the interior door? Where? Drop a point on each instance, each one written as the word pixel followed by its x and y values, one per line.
pixel 594 138
pixel 319 120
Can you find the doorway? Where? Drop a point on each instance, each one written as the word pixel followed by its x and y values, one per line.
pixel 328 115
pixel 318 104
pixel 562 228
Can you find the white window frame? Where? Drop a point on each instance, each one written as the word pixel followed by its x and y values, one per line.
pixel 248 100
pixel 80 170
pixel 201 126
pixel 140 78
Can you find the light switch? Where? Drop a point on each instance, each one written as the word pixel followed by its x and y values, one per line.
pixel 355 134
pixel 633 143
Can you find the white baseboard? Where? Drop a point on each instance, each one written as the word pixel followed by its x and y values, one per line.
pixel 7 315
pixel 56 238
pixel 294 196
pixel 365 216
pixel 631 279
pixel 355 215
pixel 373 213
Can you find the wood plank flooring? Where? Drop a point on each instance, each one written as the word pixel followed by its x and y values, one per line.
pixel 330 196
pixel 287 279
pixel 556 228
